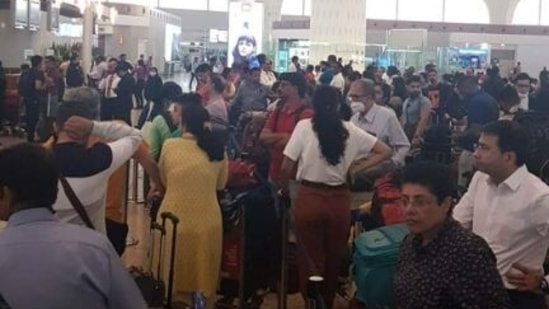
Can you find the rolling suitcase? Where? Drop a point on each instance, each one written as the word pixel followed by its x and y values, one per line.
pixel 151 285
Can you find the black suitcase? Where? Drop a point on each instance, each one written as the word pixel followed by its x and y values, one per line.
pixel 151 285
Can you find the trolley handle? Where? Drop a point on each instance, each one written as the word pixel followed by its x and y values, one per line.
pixel 170 216
pixel 156 226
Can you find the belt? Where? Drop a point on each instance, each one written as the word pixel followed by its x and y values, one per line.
pixel 319 185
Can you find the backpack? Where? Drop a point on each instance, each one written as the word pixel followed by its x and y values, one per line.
pixel 25 85
pixel 537 127
pixel 374 263
pixel 437 144
pixel 386 208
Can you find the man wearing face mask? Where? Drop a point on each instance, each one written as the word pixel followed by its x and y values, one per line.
pixel 416 111
pixel 523 85
pixel 382 123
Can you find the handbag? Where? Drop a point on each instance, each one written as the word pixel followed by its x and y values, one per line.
pixel 75 202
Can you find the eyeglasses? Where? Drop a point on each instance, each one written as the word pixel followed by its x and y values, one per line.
pixel 354 97
pixel 416 202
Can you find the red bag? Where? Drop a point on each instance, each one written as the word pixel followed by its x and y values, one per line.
pixel 241 174
pixel 386 202
pixel 230 260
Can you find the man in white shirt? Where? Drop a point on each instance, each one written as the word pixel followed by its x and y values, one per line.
pixel 509 208
pixel 267 77
pixel 380 122
pixel 99 70
pixel 523 85
pixel 338 81
pixel 107 87
pixel 294 65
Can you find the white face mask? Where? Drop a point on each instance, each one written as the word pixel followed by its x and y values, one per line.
pixel 152 73
pixel 357 107
pixel 523 95
pixel 514 109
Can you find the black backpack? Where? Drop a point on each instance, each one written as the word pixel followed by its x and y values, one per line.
pixel 537 128
pixel 25 85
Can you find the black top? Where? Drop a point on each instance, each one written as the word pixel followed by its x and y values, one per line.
pixel 75 76
pixel 457 269
pixel 75 160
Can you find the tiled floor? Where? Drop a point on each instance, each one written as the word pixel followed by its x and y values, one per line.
pixel 136 255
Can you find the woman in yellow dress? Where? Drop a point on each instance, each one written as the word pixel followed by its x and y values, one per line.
pixel 192 169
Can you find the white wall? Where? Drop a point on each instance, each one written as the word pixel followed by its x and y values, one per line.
pixel 15 41
pixel 338 27
pixel 196 25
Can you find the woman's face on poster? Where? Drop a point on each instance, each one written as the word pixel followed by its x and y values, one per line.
pixel 245 48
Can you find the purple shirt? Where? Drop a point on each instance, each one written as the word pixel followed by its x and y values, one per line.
pixel 49 264
pixel 217 109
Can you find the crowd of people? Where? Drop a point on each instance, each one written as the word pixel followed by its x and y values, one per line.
pixel 324 131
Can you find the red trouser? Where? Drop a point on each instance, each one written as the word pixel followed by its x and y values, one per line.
pixel 322 222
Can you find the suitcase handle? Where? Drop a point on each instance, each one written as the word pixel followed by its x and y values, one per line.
pixel 170 216
pixel 175 220
pixel 154 207
pixel 156 226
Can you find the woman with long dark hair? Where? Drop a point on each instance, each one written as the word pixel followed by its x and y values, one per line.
pixel 193 168
pixel 162 126
pixel 325 148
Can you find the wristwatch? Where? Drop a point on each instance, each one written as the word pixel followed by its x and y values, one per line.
pixel 544 286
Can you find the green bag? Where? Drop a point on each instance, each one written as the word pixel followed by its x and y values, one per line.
pixel 374 264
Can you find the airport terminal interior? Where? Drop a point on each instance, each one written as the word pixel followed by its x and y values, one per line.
pixel 252 154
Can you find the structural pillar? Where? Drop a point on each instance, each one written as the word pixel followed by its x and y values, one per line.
pixel 338 28
pixel 87 37
pixel 272 13
pixel 501 11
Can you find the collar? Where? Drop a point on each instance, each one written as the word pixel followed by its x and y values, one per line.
pixel 371 115
pixel 433 246
pixel 30 215
pixel 514 181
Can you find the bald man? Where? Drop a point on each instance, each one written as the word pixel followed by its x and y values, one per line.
pixel 381 122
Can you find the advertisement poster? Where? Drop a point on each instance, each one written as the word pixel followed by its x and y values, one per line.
pixel 245 31
pixel 172 41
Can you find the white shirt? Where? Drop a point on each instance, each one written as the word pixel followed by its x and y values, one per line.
pixel 92 190
pixel 109 90
pixel 304 148
pixel 513 218
pixel 99 70
pixel 338 81
pixel 292 68
pixel 525 103
pixel 383 124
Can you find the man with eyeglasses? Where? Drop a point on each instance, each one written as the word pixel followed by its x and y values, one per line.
pixel 380 122
pixel 523 85
pixel 509 207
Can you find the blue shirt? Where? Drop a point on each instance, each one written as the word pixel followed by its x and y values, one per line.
pixel 481 109
pixel 48 264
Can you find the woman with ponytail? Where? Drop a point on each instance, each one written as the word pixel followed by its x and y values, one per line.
pixel 193 168
pixel 324 149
